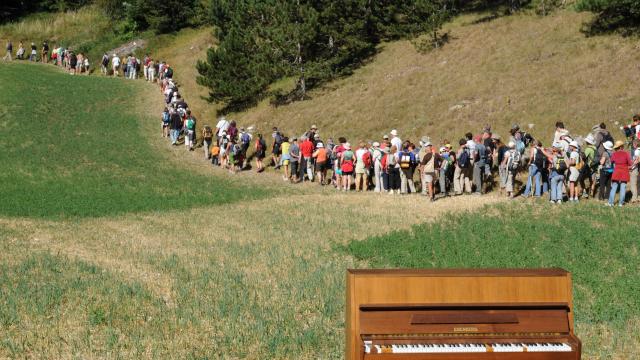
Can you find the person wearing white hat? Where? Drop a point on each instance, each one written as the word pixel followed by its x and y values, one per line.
pixel 395 139
pixel 115 65
pixel 606 169
pixel 320 156
pixel 590 167
pixel 575 165
pixel 376 156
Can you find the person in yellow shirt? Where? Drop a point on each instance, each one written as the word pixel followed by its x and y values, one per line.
pixel 286 158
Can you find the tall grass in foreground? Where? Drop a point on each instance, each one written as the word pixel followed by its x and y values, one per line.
pixel 73 147
pixel 598 245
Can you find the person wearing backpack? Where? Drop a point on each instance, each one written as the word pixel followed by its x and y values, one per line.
pixel 575 165
pixel 393 170
pixel 407 161
pixel 537 166
pixel 260 152
pixel 606 170
pixel 104 63
pixel 480 157
pixel 429 165
pixel 175 126
pixel 276 147
pixel 362 162
pixel 207 140
pixel 590 168
pixel 463 169
pixel 621 161
pixel 348 165
pixel 511 163
pixel 320 155
pixel 294 156
pixel 558 170
pixel 165 121
pixel 190 130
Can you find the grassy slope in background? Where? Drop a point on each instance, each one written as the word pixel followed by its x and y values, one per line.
pixel 598 245
pixel 73 148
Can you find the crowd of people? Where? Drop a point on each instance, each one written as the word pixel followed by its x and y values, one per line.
pixel 570 169
pixel 131 66
pixel 72 61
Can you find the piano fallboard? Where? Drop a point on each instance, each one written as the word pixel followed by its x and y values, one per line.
pixel 467 320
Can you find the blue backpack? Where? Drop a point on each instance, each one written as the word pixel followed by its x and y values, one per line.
pixel 465 159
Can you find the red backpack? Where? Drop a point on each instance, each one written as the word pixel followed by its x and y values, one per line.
pixel 366 159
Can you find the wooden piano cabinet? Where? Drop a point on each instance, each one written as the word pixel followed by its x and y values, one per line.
pixel 459 306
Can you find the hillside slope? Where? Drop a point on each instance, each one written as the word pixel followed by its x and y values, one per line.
pixel 520 69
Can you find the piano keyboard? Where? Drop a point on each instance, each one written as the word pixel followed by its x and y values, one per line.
pixel 465 348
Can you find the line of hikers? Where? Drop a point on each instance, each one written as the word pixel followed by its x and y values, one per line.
pixel 571 168
pixel 60 56
pixel 131 67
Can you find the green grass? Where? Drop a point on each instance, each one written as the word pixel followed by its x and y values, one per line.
pixel 107 314
pixel 598 245
pixel 74 147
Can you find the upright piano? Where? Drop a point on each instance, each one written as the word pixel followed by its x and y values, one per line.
pixel 519 314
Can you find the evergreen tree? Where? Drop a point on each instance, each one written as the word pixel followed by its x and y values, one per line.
pixel 612 15
pixel 261 41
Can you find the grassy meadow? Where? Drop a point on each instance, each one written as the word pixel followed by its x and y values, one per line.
pixel 74 147
pixel 114 244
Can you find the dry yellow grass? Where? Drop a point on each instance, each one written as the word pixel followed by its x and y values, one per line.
pixel 519 69
pixel 278 248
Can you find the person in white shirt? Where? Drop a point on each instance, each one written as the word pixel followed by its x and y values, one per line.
pixel 115 63
pixel 395 140
pixel 222 126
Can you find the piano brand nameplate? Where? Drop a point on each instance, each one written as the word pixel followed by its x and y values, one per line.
pixel 465 329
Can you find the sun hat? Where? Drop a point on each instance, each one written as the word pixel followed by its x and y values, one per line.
pixel 608 145
pixel 512 144
pixel 515 127
pixel 557 146
pixel 314 127
pixel 618 144
pixel 443 149
pixel 385 137
pixel 316 136
pixel 347 146
pixel 574 144
pixel 589 139
pixel 376 144
pixel 428 143
pixel 394 132
pixel 319 145
pixel 424 140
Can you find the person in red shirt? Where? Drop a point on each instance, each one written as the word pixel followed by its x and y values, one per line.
pixel 306 150
pixel 621 161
